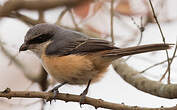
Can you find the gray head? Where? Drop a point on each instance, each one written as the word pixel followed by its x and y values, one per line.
pixel 38 37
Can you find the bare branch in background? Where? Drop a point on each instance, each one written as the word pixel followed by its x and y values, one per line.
pixel 112 20
pixel 137 80
pixel 141 29
pixel 73 20
pixel 171 60
pixel 25 19
pixel 157 64
pixel 58 22
pixel 134 33
pixel 14 5
pixel 163 38
pixel 41 16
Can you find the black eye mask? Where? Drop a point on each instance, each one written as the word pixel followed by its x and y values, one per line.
pixel 40 39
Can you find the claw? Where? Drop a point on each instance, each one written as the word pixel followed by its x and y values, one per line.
pixel 82 100
pixel 55 92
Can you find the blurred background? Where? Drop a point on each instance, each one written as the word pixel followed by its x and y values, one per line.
pixel 132 24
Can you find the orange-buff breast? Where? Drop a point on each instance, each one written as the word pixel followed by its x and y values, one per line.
pixel 73 69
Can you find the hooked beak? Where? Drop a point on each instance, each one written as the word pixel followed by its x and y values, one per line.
pixel 23 47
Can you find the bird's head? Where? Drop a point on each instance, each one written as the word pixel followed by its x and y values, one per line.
pixel 38 37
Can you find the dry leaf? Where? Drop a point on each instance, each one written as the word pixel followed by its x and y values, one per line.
pixel 82 10
pixel 123 7
pixel 97 7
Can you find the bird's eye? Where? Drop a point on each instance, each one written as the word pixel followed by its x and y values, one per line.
pixel 40 39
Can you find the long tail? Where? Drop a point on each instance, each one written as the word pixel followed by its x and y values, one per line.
pixel 136 50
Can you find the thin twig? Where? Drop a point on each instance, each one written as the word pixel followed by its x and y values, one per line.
pixel 41 16
pixel 141 29
pixel 112 20
pixel 163 76
pixel 157 64
pixel 171 60
pixel 73 19
pixel 25 19
pixel 58 22
pixel 163 38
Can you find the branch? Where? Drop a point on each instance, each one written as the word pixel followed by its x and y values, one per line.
pixel 25 19
pixel 73 20
pixel 134 78
pixel 163 38
pixel 14 5
pixel 171 60
pixel 141 29
pixel 58 22
pixel 112 20
pixel 97 103
pixel 41 16
pixel 157 64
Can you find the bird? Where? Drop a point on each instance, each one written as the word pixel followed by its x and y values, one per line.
pixel 74 58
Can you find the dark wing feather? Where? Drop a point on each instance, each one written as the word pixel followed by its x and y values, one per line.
pixel 76 43
pixel 92 45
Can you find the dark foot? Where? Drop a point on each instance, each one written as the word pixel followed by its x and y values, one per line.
pixel 84 93
pixel 55 92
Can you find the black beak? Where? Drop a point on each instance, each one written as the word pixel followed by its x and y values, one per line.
pixel 23 47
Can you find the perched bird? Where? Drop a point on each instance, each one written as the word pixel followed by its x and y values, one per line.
pixel 74 58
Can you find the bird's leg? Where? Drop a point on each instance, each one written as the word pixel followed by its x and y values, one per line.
pixel 56 87
pixel 55 91
pixel 84 93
